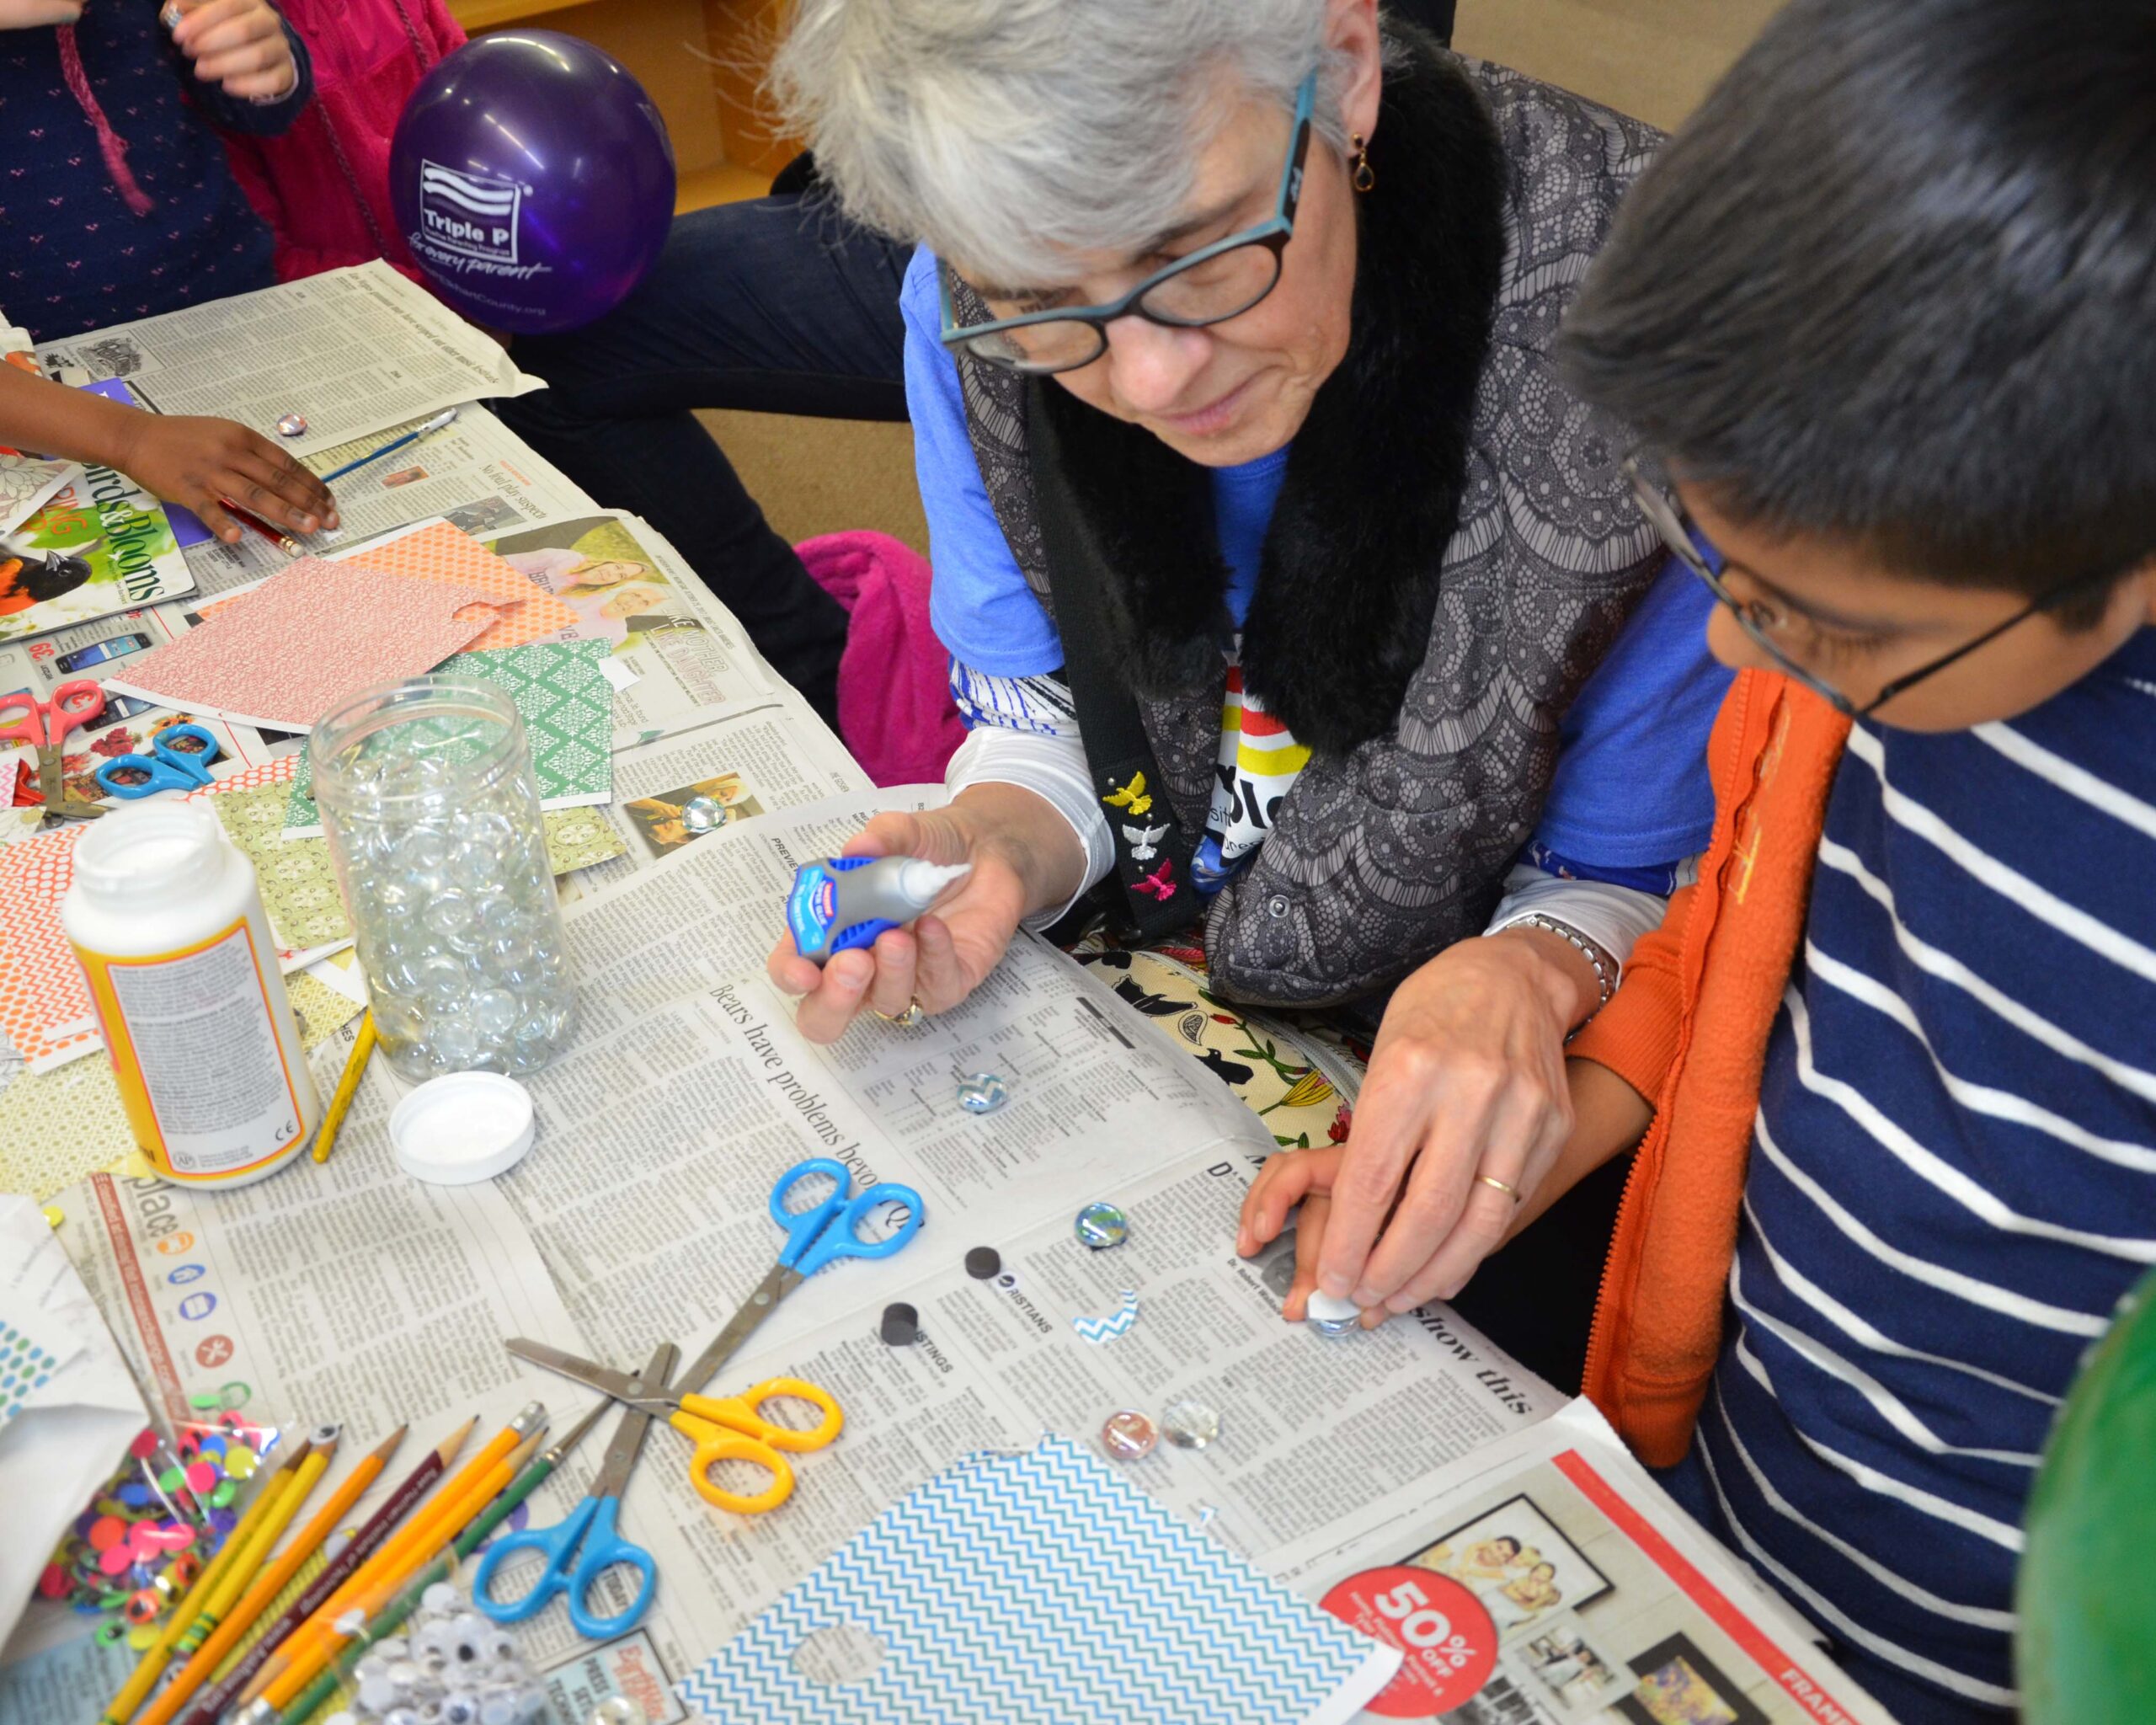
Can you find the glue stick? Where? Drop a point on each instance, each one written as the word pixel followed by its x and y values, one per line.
pixel 167 919
pixel 844 902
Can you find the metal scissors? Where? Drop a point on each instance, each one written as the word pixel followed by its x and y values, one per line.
pixel 44 725
pixel 815 1237
pixel 587 1542
pixel 722 1428
pixel 179 761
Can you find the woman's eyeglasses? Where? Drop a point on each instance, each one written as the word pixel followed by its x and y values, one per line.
pixel 1761 620
pixel 1212 285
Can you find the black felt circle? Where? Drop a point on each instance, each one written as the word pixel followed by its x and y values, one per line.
pixel 983 1263
pixel 901 1325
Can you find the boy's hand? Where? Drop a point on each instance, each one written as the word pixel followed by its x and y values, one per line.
pixel 196 461
pixel 1291 1177
pixel 238 44
pixel 29 14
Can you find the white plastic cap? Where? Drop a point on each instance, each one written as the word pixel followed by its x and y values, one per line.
pixel 1326 1308
pixel 462 1128
pixel 920 881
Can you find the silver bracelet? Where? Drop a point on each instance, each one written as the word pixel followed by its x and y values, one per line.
pixel 1605 967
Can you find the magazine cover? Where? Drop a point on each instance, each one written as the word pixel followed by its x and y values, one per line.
pixel 98 546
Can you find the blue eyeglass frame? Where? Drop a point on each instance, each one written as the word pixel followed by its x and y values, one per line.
pixel 1274 233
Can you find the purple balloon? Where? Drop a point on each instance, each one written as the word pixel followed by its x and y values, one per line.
pixel 533 181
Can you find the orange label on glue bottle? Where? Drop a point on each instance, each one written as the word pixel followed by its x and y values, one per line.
pixel 164 915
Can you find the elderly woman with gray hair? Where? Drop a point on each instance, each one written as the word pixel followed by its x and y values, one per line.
pixel 1287 587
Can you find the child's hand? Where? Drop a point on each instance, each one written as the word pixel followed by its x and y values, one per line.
pixel 1291 1177
pixel 29 14
pixel 239 44
pixel 195 462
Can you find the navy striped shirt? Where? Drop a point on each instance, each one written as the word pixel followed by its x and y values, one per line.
pixel 1953 1178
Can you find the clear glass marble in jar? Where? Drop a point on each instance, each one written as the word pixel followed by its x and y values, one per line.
pixel 432 813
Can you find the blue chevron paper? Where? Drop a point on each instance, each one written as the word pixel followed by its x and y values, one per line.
pixel 1043 1589
pixel 1107 1329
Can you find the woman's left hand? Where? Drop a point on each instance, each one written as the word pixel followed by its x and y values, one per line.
pixel 1466 1087
pixel 238 44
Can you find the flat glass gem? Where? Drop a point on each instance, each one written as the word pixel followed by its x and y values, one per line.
pixel 700 814
pixel 983 1263
pixel 1190 1424
pixel 901 1325
pixel 983 1092
pixel 1127 1436
pixel 292 426
pixel 1330 1315
pixel 1100 1225
pixel 617 1710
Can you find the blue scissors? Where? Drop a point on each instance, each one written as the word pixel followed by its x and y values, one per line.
pixel 820 1235
pixel 178 760
pixel 593 1525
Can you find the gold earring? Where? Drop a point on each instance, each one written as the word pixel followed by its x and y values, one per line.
pixel 1364 176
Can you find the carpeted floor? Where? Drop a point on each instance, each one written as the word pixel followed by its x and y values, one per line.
pixel 1654 58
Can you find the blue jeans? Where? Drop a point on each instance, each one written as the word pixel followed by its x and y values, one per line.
pixel 775 305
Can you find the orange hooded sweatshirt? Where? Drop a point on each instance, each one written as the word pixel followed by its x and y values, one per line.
pixel 1689 1031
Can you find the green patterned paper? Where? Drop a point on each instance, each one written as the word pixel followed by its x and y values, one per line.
pixel 299 882
pixel 568 706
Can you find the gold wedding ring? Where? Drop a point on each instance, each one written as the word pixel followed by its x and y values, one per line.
pixel 910 1019
pixel 1510 1192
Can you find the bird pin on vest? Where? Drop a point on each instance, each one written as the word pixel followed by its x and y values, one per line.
pixel 1132 796
pixel 1145 842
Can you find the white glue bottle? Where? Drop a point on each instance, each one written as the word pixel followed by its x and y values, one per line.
pixel 166 918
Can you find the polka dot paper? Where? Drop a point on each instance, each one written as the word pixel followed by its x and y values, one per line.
pixel 45 1006
pixel 442 552
pixel 307 639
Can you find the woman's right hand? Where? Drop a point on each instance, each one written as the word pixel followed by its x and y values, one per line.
pixel 943 957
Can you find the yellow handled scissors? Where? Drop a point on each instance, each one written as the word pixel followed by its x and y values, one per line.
pixel 722 1428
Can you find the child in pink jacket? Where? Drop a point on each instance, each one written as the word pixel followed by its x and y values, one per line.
pixel 323 188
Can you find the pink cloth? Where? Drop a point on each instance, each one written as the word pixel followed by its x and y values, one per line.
pixel 895 711
pixel 323 187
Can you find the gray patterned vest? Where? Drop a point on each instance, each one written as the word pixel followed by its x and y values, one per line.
pixel 1453 550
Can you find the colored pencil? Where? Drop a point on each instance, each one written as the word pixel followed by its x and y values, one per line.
pixel 250 1563
pixel 428 429
pixel 392 1617
pixel 152 1666
pixel 365 1542
pixel 445 1528
pixel 347 1087
pixel 393 1556
pixel 283 542
pixel 272 1581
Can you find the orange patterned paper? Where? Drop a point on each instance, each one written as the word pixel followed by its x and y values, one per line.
pixel 442 552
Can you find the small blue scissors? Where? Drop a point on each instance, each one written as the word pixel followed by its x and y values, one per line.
pixel 593 1525
pixel 815 1237
pixel 178 760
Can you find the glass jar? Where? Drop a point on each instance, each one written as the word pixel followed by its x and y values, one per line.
pixel 432 813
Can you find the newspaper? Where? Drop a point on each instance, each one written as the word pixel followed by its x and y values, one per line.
pixel 677 649
pixel 350 1293
pixel 1549 1582
pixel 350 351
pixel 476 473
pixel 719 767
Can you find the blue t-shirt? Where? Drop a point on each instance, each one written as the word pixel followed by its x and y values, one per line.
pixel 1631 795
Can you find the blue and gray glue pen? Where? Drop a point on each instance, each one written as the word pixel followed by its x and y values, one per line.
pixel 842 902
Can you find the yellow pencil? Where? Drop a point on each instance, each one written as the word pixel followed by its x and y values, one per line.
pixel 248 1564
pixel 445 1527
pixel 391 1556
pixel 153 1663
pixel 271 1582
pixel 347 1087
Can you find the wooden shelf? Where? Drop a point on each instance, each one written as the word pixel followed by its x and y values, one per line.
pixel 477 15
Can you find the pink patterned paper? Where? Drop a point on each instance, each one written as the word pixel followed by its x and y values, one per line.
pixel 309 638
pixel 45 1005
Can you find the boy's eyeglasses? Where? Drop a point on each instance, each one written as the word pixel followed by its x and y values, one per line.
pixel 1755 616
pixel 1212 285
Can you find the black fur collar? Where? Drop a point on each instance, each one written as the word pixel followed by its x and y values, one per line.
pixel 1341 620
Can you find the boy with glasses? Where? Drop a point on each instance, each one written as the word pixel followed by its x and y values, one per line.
pixel 1891 1054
